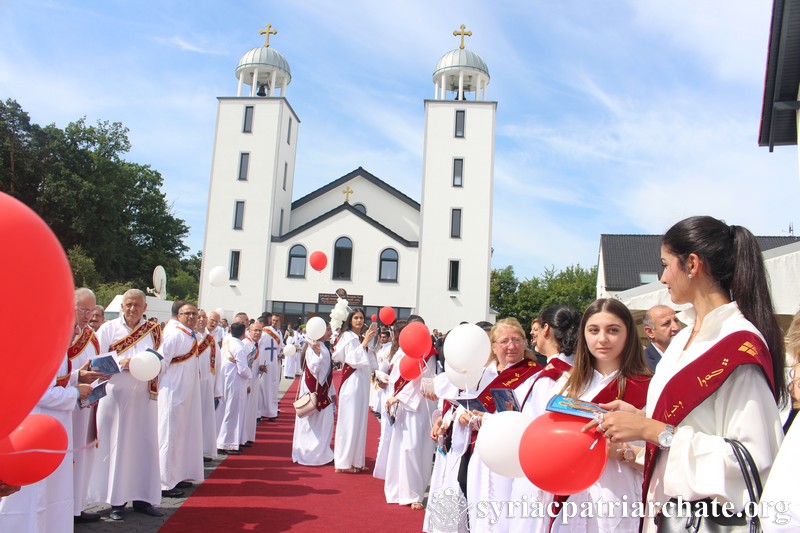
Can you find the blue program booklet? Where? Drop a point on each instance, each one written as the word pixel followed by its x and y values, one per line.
pixel 98 391
pixel 504 400
pixel 105 363
pixel 574 406
pixel 471 404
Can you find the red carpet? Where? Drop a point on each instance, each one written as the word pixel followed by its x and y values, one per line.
pixel 262 490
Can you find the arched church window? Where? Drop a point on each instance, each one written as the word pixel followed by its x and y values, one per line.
pixel 297 261
pixel 388 268
pixel 343 258
pixel 360 207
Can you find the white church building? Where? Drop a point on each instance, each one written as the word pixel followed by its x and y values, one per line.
pixel 383 247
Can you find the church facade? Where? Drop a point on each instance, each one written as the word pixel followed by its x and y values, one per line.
pixel 383 248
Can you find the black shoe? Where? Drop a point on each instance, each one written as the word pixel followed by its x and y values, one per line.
pixel 273 419
pixel 116 512
pixel 172 493
pixel 228 452
pixel 184 485
pixel 247 444
pixel 146 508
pixel 85 517
pixel 207 459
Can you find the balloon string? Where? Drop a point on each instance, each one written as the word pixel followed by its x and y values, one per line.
pixel 596 440
pixel 47 450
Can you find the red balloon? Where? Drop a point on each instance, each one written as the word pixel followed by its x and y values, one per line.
pixel 411 368
pixel 415 340
pixel 558 458
pixel 35 275
pixel 318 260
pixel 387 315
pixel 374 318
pixel 37 432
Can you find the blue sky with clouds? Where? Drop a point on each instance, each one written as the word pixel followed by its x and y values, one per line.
pixel 613 116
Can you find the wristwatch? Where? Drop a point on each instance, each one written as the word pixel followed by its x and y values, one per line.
pixel 665 437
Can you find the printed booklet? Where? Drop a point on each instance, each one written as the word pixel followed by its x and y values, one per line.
pixel 574 406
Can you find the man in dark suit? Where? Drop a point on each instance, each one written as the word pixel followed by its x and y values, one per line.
pixel 660 325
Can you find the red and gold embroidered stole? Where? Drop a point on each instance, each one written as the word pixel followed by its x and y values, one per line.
pixel 322 390
pixel 401 381
pixel 510 378
pixel 700 379
pixel 274 335
pixel 82 341
pixel 554 369
pixel 142 331
pixel 193 352
pixel 206 343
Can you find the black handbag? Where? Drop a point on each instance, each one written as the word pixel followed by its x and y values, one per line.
pixel 707 516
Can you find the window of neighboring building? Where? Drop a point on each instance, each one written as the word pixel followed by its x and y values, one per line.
pixel 244 164
pixel 647 277
pixel 297 261
pixel 238 214
pixel 460 116
pixel 233 270
pixel 458 172
pixel 452 282
pixel 360 207
pixel 455 223
pixel 248 120
pixel 388 268
pixel 343 258
pixel 289 132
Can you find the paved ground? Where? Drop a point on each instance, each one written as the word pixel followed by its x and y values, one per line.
pixel 139 523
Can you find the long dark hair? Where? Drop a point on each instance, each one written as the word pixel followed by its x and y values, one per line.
pixel 632 361
pixel 396 329
pixel 564 322
pixel 348 324
pixel 733 259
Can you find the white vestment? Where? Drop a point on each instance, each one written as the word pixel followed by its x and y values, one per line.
pixel 180 423
pixel 270 381
pixel 780 501
pixel 699 463
pixel 311 444
pixel 251 408
pixel 236 375
pixel 126 460
pixel 83 428
pixel 207 377
pixel 46 506
pixel 410 450
pixel 291 364
pixel 351 428
pixel 387 426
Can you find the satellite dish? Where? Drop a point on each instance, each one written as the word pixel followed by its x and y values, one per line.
pixel 159 283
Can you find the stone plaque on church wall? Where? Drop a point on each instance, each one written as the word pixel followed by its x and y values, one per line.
pixel 354 300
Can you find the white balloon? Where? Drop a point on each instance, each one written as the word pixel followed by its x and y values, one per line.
pixel 315 328
pixel 218 276
pixel 289 350
pixel 498 442
pixel 467 348
pixel 145 365
pixel 463 380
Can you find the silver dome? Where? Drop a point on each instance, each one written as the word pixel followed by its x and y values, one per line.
pixel 460 59
pixel 265 60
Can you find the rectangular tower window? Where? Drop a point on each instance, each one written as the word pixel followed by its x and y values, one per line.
pixel 244 164
pixel 289 132
pixel 458 172
pixel 238 214
pixel 460 115
pixel 233 270
pixel 452 283
pixel 280 224
pixel 285 174
pixel 455 223
pixel 248 119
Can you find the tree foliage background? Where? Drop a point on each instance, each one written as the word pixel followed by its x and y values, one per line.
pixel 574 286
pixel 109 214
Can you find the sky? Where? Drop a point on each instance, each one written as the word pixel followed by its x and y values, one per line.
pixel 613 116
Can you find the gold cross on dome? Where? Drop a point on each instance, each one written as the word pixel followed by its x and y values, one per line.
pixel 347 191
pixel 462 33
pixel 269 31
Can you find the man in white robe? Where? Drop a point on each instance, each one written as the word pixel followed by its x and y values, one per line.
pixel 126 459
pixel 253 389
pixel 207 350
pixel 47 505
pixel 270 346
pixel 236 375
pixel 180 426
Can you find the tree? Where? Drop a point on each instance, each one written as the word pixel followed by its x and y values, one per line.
pixel 503 291
pixel 83 271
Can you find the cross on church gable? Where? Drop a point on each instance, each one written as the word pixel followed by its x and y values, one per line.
pixel 347 191
pixel 462 33
pixel 269 31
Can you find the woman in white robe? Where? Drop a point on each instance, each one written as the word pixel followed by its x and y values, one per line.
pixel 720 271
pixel 311 444
pixel 355 350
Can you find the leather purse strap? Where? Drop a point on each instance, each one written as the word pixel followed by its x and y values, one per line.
pixel 752 479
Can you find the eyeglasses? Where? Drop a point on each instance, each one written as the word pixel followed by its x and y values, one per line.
pixel 515 342
pixel 188 313
pixel 83 311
